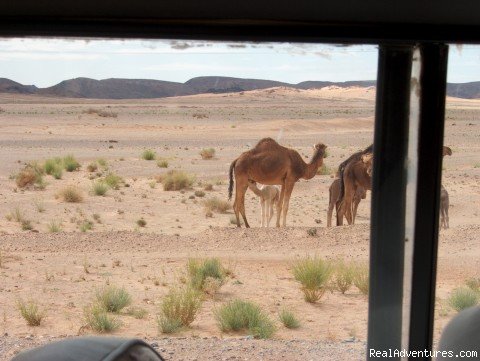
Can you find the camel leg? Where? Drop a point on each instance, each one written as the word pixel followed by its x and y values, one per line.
pixel 286 201
pixel 270 212
pixel 331 204
pixel 280 204
pixel 348 200
pixel 447 220
pixel 262 203
pixel 340 206
pixel 241 188
pixel 356 202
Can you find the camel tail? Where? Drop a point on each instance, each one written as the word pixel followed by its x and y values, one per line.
pixel 230 186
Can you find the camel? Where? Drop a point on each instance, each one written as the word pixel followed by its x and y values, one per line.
pixel 356 174
pixel 334 194
pixel 444 204
pixel 270 163
pixel 269 196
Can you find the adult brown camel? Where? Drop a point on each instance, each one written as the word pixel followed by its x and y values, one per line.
pixel 334 195
pixel 356 174
pixel 271 164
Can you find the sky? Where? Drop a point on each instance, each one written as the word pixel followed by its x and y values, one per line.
pixel 46 62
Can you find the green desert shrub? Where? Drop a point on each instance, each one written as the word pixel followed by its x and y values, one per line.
pixel 31 312
pixel 217 205
pixel 288 319
pixel 113 180
pixel 98 319
pixel 70 164
pixel 207 153
pixel 85 226
pixel 51 165
pixel 148 154
pixel 99 188
pixel 200 271
pixel 238 315
pixel 175 180
pixel 178 309
pixel 462 298
pixel 361 278
pixel 137 312
pixel 113 298
pixel 473 284
pixel 344 276
pixel 71 194
pixel 314 274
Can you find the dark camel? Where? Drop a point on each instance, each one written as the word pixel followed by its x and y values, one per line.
pixel 334 194
pixel 356 174
pixel 271 164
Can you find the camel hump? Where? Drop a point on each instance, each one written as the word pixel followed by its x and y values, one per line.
pixel 266 141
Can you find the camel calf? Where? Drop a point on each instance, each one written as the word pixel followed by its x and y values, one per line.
pixel 334 195
pixel 444 204
pixel 269 197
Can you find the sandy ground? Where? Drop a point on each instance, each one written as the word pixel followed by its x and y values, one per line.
pixel 63 270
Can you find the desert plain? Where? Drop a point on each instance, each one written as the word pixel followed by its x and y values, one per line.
pixel 61 270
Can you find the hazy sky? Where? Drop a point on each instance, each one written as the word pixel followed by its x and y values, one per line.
pixel 45 62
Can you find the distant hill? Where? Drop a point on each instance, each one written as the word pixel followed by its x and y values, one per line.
pixel 10 86
pixel 146 88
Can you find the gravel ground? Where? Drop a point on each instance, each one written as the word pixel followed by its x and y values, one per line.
pixel 197 349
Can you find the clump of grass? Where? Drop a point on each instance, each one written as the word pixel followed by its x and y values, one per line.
pixel 462 298
pixel 312 232
pixel 473 284
pixel 39 205
pixel 178 309
pixel 288 319
pixel 57 173
pixel 99 188
pixel 113 180
pixel 52 165
pixel 361 278
pixel 148 154
pixel 54 227
pixel 86 226
pixel 216 204
pixel 16 215
pixel 30 176
pixel 100 113
pixel 70 164
pixel 26 225
pixel 199 194
pixel 162 163
pixel 113 298
pixel 344 276
pixel 175 180
pixel 141 222
pixel 71 194
pixel 31 312
pixel 137 312
pixel 206 275
pixel 207 153
pixel 92 167
pixel 98 319
pixel 240 315
pixel 314 275
pixel 325 170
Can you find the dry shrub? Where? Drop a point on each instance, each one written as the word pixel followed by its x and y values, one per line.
pixel 288 319
pixel 206 275
pixel 31 312
pixel 207 153
pixel 113 298
pixel 217 205
pixel 71 194
pixel 30 176
pixel 178 309
pixel 175 180
pixel 462 298
pixel 361 278
pixel 344 276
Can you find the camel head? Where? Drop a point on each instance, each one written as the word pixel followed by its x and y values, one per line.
pixel 447 151
pixel 319 151
pixel 367 159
